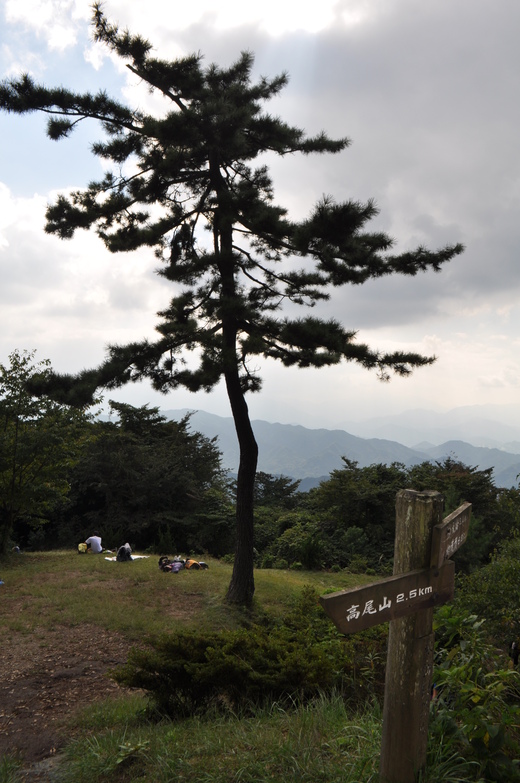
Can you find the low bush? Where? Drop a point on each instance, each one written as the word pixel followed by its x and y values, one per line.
pixel 476 712
pixel 493 592
pixel 292 659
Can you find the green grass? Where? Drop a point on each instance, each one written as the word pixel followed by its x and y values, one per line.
pixel 322 742
pixel 9 770
pixel 48 588
pixel 319 742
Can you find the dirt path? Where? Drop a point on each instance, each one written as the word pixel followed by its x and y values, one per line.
pixel 44 678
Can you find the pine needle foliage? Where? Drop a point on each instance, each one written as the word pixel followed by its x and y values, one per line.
pixel 192 185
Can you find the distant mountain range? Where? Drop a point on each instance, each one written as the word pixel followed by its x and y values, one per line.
pixel 480 437
pixel 494 426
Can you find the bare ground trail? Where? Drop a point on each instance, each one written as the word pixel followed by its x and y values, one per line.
pixel 45 677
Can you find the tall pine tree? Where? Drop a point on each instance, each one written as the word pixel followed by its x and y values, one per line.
pixel 193 168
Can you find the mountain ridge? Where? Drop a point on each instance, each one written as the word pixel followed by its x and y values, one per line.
pixel 310 455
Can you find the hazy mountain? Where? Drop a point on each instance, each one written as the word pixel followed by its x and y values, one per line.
pixel 311 454
pixel 297 451
pixel 492 426
pixel 505 466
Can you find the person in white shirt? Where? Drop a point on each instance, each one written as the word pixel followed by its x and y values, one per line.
pixel 94 544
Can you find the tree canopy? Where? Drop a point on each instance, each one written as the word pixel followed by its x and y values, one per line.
pixel 40 441
pixel 192 185
pixel 152 482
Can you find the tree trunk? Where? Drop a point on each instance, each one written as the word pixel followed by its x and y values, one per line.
pixel 242 586
pixel 6 530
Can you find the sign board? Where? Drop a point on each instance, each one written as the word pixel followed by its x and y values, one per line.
pixel 398 596
pixel 450 534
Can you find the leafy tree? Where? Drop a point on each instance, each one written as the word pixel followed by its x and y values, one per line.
pixel 302 542
pixel 194 168
pixel 508 516
pixel 152 481
pixel 460 483
pixel 357 510
pixel 493 592
pixel 278 491
pixel 40 440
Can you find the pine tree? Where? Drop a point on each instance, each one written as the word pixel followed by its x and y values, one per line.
pixel 193 169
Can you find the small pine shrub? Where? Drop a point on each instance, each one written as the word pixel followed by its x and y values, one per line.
pixel 358 564
pixel 294 658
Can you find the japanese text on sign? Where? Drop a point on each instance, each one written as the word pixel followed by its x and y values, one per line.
pixel 397 596
pixel 354 612
pixel 450 534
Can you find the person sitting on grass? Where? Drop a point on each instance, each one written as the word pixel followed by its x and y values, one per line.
pixel 94 544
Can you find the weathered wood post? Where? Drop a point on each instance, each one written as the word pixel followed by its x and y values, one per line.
pixel 424 577
pixel 410 646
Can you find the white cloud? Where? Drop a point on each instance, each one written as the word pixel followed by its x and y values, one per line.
pixel 53 290
pixel 425 91
pixel 57 21
pixel 274 16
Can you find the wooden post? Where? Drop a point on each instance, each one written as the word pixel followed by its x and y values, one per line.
pixel 410 646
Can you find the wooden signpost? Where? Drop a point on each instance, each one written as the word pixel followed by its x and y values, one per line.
pixel 451 534
pixel 398 596
pixel 424 577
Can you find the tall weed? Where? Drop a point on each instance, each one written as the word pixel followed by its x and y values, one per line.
pixel 320 742
pixel 476 713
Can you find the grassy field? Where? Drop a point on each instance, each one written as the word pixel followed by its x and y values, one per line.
pixel 114 740
pixel 136 598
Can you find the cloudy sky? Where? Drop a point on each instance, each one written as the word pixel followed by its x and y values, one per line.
pixel 428 93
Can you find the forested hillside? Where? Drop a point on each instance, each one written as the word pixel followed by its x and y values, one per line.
pixel 162 486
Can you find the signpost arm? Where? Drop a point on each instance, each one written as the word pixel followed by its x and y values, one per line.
pixel 410 646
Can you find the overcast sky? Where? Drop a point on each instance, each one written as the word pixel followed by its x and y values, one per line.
pixel 428 93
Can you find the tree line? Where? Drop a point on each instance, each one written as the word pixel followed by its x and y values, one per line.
pixel 135 476
pixel 65 472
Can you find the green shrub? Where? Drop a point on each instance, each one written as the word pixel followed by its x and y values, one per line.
pixel 268 561
pixel 294 658
pixel 300 542
pixel 358 564
pixel 493 592
pixel 476 712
